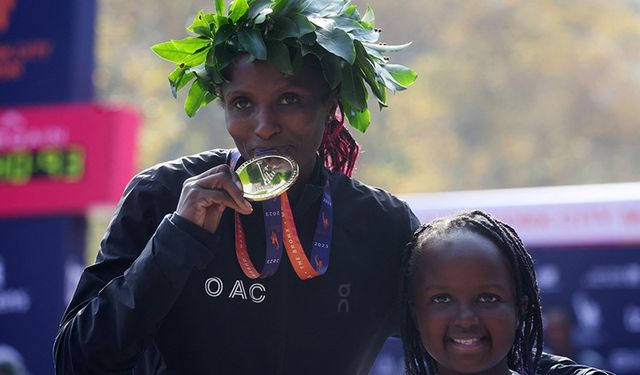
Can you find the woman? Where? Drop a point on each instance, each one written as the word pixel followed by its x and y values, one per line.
pixel 168 293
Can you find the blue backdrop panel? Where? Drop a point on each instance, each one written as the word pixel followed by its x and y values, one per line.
pixel 598 289
pixel 46 51
pixel 40 260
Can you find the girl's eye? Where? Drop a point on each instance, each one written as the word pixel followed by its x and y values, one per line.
pixel 489 298
pixel 440 299
pixel 289 99
pixel 241 103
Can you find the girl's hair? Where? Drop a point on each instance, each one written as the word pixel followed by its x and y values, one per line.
pixel 338 149
pixel 527 347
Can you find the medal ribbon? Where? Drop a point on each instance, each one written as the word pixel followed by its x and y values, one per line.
pixel 278 217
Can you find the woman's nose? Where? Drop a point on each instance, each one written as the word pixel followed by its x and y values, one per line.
pixel 266 125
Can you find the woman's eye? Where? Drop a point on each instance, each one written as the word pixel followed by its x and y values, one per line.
pixel 241 103
pixel 489 298
pixel 288 99
pixel 440 299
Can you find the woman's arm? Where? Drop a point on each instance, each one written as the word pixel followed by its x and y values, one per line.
pixel 144 260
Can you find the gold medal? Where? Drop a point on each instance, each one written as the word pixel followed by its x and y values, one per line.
pixel 267 176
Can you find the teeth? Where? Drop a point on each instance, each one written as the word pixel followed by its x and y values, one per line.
pixel 466 341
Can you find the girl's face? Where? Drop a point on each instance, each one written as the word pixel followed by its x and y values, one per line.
pixel 267 111
pixel 464 304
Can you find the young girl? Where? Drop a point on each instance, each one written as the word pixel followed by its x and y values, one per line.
pixel 471 300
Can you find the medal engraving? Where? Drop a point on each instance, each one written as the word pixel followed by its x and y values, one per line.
pixel 267 176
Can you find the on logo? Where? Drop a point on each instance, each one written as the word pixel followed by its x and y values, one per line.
pixel 344 290
pixel 6 7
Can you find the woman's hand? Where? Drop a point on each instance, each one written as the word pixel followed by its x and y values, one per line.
pixel 204 197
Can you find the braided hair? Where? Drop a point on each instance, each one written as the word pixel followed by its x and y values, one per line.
pixel 338 149
pixel 527 347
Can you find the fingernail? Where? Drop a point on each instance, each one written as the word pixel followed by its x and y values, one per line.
pixel 248 205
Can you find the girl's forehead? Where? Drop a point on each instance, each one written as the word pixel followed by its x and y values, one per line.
pixel 462 250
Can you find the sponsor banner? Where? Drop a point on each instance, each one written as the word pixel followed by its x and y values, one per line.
pixel 46 58
pixel 63 159
pixel 549 216
pixel 41 260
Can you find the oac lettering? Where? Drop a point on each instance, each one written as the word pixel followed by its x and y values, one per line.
pixel 214 287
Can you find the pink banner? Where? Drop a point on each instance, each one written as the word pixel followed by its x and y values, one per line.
pixel 64 158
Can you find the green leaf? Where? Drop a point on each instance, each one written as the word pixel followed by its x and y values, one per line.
pixel 387 78
pixel 223 34
pixel 195 99
pixel 219 7
pixel 278 55
pixel 373 54
pixel 308 39
pixel 178 79
pixel 262 16
pixel 325 9
pixel 252 42
pixel 222 20
pixel 286 7
pixel 357 29
pixel 352 88
pixel 403 75
pixel 369 73
pixel 282 28
pixel 211 66
pixel 200 26
pixel 179 50
pixel 369 17
pixel 238 9
pixel 209 18
pixel 386 48
pixel 358 119
pixel 304 25
pixel 259 7
pixel 331 69
pixel 337 42
pixel 352 11
pixel 346 24
pixel 196 58
pixel 324 23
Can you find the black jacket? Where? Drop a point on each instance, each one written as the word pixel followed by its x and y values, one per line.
pixel 167 297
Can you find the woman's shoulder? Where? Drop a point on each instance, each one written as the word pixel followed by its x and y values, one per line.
pixel 358 198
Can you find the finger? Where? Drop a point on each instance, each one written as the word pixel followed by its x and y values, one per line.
pixel 222 168
pixel 228 182
pixel 211 197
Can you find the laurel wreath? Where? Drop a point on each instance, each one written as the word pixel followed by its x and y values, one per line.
pixel 283 32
